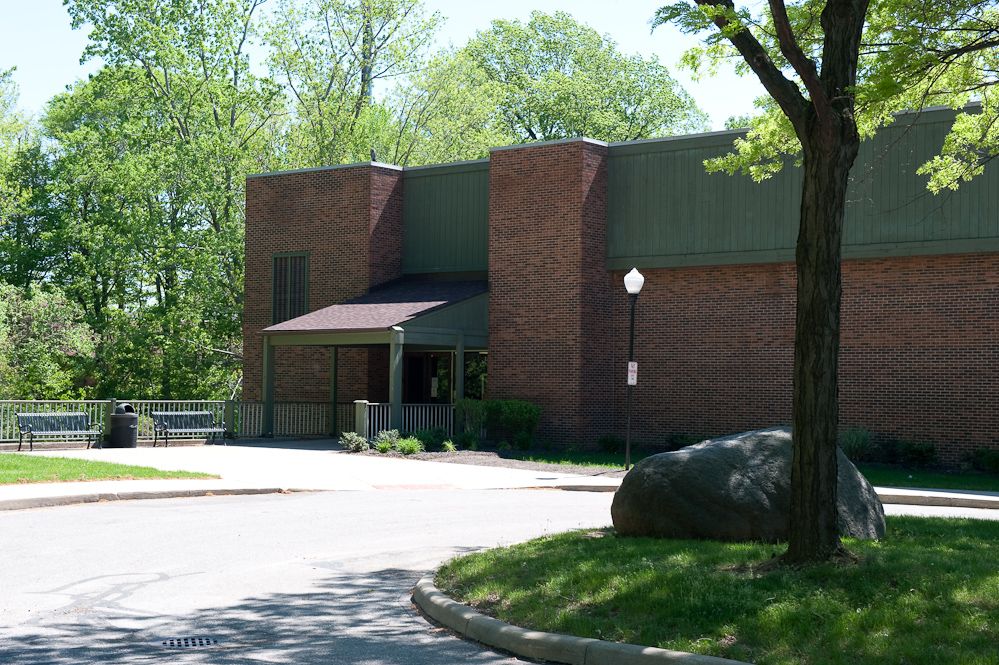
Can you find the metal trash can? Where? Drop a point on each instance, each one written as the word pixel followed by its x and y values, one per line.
pixel 124 427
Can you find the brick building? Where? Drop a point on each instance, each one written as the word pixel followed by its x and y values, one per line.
pixel 371 281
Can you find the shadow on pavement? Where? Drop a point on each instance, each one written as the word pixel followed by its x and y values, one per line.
pixel 360 619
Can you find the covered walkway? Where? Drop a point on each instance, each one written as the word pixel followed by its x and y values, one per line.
pixel 405 315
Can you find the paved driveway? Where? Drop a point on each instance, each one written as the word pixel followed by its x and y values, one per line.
pixel 296 578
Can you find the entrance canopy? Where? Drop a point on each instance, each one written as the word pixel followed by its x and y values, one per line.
pixel 428 313
pixel 413 314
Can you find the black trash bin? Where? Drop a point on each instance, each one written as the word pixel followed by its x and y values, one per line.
pixel 124 427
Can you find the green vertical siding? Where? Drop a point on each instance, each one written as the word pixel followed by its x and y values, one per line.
pixel 445 218
pixel 665 210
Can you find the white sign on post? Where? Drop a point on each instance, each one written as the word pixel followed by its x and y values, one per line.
pixel 632 373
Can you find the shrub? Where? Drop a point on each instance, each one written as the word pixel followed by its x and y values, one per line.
pixel 610 443
pixel 512 419
pixel 384 446
pixel 353 442
pixel 449 447
pixel 913 453
pixel 409 446
pixel 468 440
pixel 856 444
pixel 470 415
pixel 677 441
pixel 387 435
pixel 985 460
pixel 504 446
pixel 432 438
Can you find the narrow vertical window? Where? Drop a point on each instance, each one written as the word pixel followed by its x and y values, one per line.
pixel 290 288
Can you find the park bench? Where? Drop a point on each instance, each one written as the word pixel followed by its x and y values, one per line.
pixel 56 424
pixel 185 423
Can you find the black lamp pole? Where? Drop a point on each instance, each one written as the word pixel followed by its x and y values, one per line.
pixel 631 357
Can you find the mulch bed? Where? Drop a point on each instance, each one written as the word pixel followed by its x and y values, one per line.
pixel 492 458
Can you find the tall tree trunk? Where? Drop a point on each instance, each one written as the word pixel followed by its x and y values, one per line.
pixel 828 158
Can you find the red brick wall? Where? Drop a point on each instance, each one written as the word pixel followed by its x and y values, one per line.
pixel 349 220
pixel 547 221
pixel 919 350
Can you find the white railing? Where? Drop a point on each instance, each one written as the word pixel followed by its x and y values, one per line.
pixel 96 409
pixel 243 419
pixel 415 417
pixel 293 418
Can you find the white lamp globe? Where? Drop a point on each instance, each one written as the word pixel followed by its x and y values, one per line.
pixel 633 282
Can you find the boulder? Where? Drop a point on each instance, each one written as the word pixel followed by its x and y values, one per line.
pixel 733 488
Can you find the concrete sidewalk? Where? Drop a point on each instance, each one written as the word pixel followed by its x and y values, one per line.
pixel 276 466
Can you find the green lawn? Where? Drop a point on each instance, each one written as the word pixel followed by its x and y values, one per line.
pixel 16 468
pixel 927 594
pixel 888 476
pixel 877 474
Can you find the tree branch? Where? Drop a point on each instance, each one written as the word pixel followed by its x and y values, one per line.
pixel 784 91
pixel 803 65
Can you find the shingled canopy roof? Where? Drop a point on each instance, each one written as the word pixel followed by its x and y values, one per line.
pixel 383 307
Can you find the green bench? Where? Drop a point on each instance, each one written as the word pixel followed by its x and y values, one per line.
pixel 56 424
pixel 186 423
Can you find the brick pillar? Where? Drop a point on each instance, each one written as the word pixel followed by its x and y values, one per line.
pixel 550 294
pixel 349 220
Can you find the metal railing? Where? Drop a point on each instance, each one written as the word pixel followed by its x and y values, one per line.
pixel 242 419
pixel 9 408
pixel 293 418
pixel 415 417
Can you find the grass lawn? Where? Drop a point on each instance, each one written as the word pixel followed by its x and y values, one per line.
pixel 927 594
pixel 888 476
pixel 877 474
pixel 15 468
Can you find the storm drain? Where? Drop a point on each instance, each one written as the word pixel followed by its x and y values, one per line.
pixel 189 642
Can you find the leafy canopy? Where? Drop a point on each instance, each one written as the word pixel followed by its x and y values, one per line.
pixel 914 54
pixel 560 78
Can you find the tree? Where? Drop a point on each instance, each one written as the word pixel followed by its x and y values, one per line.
pixel 329 54
pixel 560 78
pixel 46 352
pixel 835 71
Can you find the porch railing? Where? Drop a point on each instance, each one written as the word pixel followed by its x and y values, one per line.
pixel 415 417
pixel 242 419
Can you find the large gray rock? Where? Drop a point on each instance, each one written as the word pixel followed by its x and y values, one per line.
pixel 733 488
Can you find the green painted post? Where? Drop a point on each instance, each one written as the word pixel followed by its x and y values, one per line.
pixel 459 367
pixel 267 428
pixel 334 430
pixel 395 377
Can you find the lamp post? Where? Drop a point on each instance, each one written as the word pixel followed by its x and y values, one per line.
pixel 633 283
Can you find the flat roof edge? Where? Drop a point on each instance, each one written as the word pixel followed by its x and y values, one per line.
pixel 538 144
pixel 317 169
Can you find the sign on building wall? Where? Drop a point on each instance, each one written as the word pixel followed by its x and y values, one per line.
pixel 632 373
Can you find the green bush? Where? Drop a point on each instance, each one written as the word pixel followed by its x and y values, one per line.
pixel 915 454
pixel 504 446
pixel 353 442
pixel 985 460
pixel 469 416
pixel 449 447
pixel 677 441
pixel 610 443
pixel 512 419
pixel 856 444
pixel 385 446
pixel 432 438
pixel 409 446
pixel 389 435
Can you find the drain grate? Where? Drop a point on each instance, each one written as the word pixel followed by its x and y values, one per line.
pixel 189 642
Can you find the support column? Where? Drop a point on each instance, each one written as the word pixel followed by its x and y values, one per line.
pixel 459 367
pixel 395 377
pixel 267 427
pixel 334 426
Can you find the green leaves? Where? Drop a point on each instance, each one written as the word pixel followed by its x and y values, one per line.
pixel 559 78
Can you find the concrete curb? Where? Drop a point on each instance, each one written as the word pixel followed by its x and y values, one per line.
pixel 947 501
pixel 534 644
pixel 50 501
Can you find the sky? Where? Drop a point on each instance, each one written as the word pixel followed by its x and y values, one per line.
pixel 36 37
